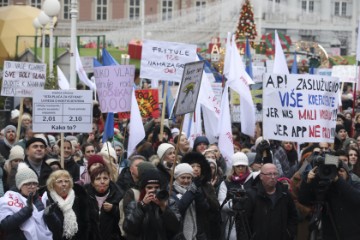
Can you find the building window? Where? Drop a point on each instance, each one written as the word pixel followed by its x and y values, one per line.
pixel 340 8
pixel 274 5
pixel 4 3
pixel 67 7
pixel 167 9
pixel 101 10
pixel 307 6
pixel 35 3
pixel 200 11
pixel 134 9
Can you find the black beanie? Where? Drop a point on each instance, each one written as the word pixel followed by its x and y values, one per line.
pixel 339 127
pixel 35 139
pixel 150 176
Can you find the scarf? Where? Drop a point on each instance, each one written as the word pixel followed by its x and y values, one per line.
pixel 70 227
pixel 189 224
pixel 240 179
pixel 34 227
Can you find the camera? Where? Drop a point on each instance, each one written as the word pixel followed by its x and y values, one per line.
pixel 327 166
pixel 162 194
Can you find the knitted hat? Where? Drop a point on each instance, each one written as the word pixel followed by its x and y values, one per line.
pixel 151 176
pixel 15 113
pixel 183 168
pixel 118 144
pixel 145 166
pixel 16 152
pixel 33 140
pixel 200 139
pixel 175 132
pixel 239 158
pixel 339 127
pixel 107 150
pixel 52 140
pixel 53 161
pixel 24 175
pixel 163 148
pixel 9 127
pixel 95 159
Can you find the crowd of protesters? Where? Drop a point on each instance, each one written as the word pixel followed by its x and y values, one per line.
pixel 168 189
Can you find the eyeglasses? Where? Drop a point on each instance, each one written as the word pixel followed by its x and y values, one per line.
pixel 274 175
pixel 31 184
pixel 62 181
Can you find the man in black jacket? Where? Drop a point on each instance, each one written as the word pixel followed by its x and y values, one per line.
pixel 35 156
pixel 270 209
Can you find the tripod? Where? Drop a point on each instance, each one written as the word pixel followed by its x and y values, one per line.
pixel 238 217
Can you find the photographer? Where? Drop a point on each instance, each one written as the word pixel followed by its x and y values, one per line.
pixel 239 179
pixel 264 155
pixel 339 201
pixel 271 208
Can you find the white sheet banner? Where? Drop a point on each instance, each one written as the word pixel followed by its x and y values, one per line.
pixel 300 108
pixel 165 60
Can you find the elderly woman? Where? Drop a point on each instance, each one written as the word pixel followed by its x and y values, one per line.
pixel 21 211
pixel 150 217
pixel 66 211
pixel 189 200
pixel 104 198
pixel 238 179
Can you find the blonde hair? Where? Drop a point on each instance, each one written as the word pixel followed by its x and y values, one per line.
pixel 50 183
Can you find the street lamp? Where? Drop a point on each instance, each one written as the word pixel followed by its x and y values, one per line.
pixel 43 20
pixel 51 8
pixel 73 15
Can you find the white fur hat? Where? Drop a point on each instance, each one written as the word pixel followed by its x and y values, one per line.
pixel 163 148
pixel 240 158
pixel 183 168
pixel 24 175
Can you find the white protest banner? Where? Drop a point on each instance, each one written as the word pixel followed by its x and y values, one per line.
pixel 300 108
pixel 20 79
pixel 165 60
pixel 114 86
pixel 346 73
pixel 258 72
pixel 62 111
pixel 189 88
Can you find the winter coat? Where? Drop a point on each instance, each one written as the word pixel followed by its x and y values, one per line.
pixel 342 202
pixel 125 180
pixel 73 168
pixel 104 225
pixel 4 149
pixel 55 218
pixel 148 222
pixel 270 220
pixel 44 174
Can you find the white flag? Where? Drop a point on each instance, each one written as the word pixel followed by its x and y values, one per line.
pixel 227 56
pixel 81 72
pixel 226 146
pixel 62 81
pixel 280 64
pixel 239 81
pixel 136 128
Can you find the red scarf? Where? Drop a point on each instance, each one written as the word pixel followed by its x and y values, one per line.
pixel 240 179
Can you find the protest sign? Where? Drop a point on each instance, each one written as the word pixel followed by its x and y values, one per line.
pixel 113 86
pixel 189 88
pixel 300 108
pixel 62 111
pixel 148 101
pixel 346 73
pixel 165 60
pixel 88 63
pixel 20 79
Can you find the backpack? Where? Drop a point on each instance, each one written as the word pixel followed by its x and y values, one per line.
pixel 122 210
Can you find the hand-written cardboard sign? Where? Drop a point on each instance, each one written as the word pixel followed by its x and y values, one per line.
pixel 113 86
pixel 165 60
pixel 300 108
pixel 62 111
pixel 148 101
pixel 20 79
pixel 189 88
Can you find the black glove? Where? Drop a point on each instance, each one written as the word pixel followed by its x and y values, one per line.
pixel 50 208
pixel 197 182
pixel 29 201
pixel 263 146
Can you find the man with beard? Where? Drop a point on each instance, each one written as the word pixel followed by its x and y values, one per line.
pixel 8 142
pixel 270 208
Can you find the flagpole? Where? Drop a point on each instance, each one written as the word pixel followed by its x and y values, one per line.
pixel 18 130
pixel 62 150
pixel 176 154
pixel 163 110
